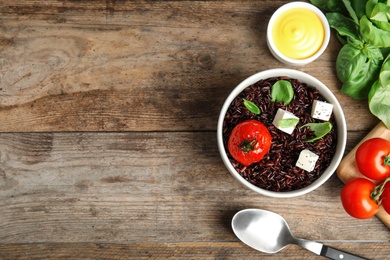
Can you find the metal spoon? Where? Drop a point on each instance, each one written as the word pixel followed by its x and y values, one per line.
pixel 268 232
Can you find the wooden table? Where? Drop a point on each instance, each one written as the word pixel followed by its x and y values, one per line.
pixel 108 114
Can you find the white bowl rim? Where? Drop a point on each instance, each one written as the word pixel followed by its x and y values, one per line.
pixel 280 56
pixel 325 92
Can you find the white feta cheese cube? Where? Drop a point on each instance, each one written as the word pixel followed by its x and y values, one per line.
pixel 321 110
pixel 283 114
pixel 307 160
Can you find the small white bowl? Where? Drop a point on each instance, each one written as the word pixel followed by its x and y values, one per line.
pixel 271 44
pixel 325 92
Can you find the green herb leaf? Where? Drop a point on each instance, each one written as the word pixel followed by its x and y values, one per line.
pixel 288 122
pixel 329 5
pixel 359 6
pixel 380 13
pixel 379 96
pixel 252 107
pixel 319 129
pixel 282 91
pixel 351 11
pixel 372 52
pixel 356 71
pixel 379 102
pixel 373 35
pixel 345 26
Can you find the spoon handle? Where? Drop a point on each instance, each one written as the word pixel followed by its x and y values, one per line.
pixel 334 253
pixel 327 251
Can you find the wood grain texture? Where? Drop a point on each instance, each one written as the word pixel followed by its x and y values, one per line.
pixel 108 114
pixel 137 66
pixel 143 187
pixel 174 250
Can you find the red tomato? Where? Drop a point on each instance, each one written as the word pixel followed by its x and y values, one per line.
pixel 385 196
pixel 249 142
pixel 356 199
pixel 373 158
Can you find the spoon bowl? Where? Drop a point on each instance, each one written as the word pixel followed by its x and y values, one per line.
pixel 249 224
pixel 268 232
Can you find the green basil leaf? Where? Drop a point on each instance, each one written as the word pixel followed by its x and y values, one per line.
pixel 379 96
pixel 252 107
pixel 372 52
pixel 359 6
pixel 379 102
pixel 356 71
pixel 380 13
pixel 382 25
pixel 343 25
pixel 282 91
pixel 351 11
pixel 288 122
pixel 319 129
pixel 329 5
pixel 357 43
pixel 384 76
pixel 370 5
pixel 373 35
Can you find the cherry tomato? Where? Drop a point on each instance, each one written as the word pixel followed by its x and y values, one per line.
pixel 249 142
pixel 373 158
pixel 356 199
pixel 385 196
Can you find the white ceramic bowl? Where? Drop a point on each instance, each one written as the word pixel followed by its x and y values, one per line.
pixel 280 56
pixel 325 92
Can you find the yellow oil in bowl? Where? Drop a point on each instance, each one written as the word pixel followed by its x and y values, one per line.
pixel 298 33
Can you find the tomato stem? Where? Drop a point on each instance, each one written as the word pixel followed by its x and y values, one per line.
pixel 378 190
pixel 386 161
pixel 246 146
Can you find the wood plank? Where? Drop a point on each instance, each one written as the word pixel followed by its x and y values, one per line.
pixel 176 250
pixel 149 187
pixel 109 67
pixel 125 97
